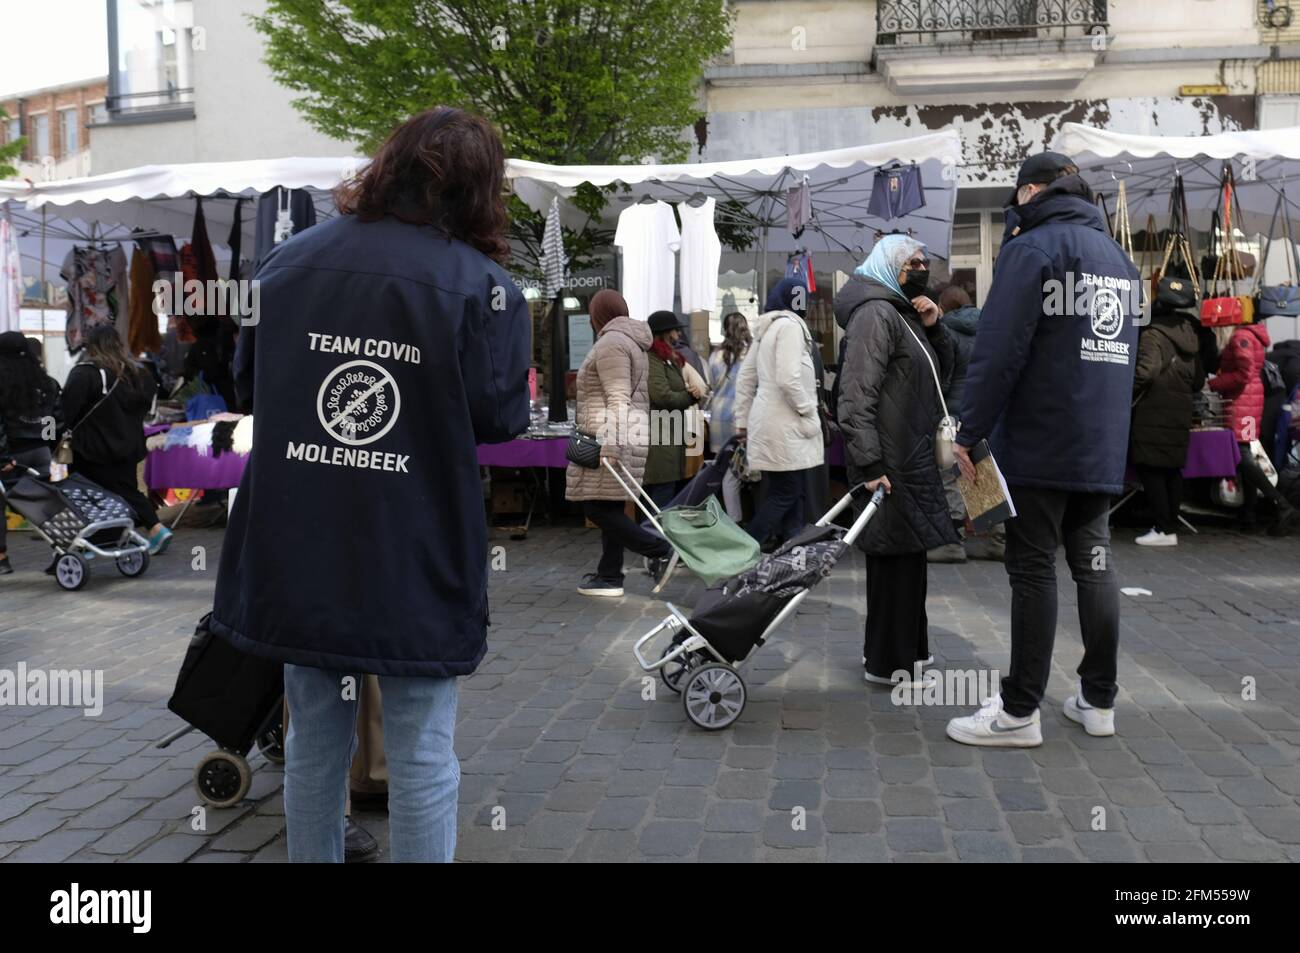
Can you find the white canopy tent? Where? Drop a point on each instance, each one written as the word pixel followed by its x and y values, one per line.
pixel 1262 159
pixel 839 181
pixel 160 198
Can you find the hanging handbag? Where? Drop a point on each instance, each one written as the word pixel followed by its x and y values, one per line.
pixel 945 435
pixel 63 452
pixel 1177 288
pixel 1222 307
pixel 1279 300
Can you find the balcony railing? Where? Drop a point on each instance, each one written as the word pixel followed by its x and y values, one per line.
pixel 161 100
pixel 901 22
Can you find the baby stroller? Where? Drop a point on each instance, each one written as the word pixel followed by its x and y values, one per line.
pixel 236 699
pixel 702 536
pixel 79 520
pixel 702 660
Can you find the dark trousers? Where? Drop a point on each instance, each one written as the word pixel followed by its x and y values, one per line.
pixel 1045 519
pixel 897 631
pixel 662 493
pixel 38 458
pixel 617 533
pixel 781 510
pixel 120 478
pixel 1254 482
pixel 1163 487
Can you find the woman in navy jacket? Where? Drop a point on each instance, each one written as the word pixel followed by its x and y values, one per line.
pixel 389 343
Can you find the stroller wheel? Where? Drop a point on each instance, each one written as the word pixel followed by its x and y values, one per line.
pixel 71 571
pixel 672 672
pixel 222 778
pixel 271 743
pixel 713 695
pixel 133 564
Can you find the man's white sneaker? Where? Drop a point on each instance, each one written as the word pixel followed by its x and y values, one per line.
pixel 1154 537
pixel 992 727
pixel 1099 722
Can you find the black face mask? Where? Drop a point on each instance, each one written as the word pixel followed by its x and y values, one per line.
pixel 916 284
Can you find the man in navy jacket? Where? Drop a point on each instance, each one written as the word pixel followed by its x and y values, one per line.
pixel 1049 386
pixel 389 344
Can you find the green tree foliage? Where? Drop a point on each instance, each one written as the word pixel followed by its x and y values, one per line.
pixel 608 81
pixel 9 153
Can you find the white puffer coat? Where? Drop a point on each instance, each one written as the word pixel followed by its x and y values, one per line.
pixel 776 396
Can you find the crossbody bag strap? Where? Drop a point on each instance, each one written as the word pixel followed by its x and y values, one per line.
pixel 938 387
pixel 103 383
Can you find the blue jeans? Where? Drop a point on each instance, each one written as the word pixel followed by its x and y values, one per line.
pixel 423 773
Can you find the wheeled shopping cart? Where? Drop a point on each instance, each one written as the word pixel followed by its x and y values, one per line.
pixel 80 520
pixel 702 536
pixel 703 658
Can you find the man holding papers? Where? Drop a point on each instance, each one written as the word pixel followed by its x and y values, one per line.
pixel 1049 387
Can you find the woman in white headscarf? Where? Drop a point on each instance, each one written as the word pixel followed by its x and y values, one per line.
pixel 897 358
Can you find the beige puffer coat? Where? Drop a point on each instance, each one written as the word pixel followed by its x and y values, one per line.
pixel 776 396
pixel 614 404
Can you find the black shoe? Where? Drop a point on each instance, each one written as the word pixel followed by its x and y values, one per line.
pixel 370 801
pixel 656 568
pixel 593 585
pixel 6 567
pixel 359 847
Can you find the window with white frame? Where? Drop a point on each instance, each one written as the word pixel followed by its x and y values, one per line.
pixel 70 130
pixel 40 126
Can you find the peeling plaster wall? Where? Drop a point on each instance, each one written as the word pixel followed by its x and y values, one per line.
pixel 995 136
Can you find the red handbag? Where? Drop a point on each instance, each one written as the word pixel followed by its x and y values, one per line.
pixel 1219 310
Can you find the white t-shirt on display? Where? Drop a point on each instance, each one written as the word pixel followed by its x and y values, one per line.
pixel 648 237
pixel 701 256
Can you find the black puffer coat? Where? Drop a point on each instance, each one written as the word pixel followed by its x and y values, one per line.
pixel 888 409
pixel 1168 374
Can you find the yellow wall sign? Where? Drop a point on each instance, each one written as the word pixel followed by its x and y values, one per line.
pixel 1203 90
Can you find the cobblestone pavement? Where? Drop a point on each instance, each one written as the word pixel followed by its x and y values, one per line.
pixel 554 728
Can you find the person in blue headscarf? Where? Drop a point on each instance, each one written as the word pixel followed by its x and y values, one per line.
pixel 897 359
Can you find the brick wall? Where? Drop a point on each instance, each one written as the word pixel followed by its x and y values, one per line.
pixel 50 102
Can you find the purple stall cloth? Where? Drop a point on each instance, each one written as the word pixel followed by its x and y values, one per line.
pixel 1212 453
pixel 524 453
pixel 186 468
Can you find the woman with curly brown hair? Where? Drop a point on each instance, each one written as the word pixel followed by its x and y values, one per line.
pixel 390 342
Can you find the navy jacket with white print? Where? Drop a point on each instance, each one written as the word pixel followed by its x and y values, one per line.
pixel 382 354
pixel 1050 380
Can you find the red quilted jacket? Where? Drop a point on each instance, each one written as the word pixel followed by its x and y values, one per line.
pixel 1239 382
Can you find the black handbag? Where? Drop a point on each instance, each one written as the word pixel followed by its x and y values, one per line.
pixel 583 450
pixel 1175 290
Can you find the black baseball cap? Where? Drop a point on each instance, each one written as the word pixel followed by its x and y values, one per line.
pixel 1041 169
pixel 662 321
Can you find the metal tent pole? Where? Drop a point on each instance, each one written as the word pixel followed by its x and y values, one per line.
pixel 45 356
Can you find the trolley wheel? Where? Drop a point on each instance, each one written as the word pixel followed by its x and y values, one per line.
pixel 133 564
pixel 222 778
pixel 71 571
pixel 271 743
pixel 672 672
pixel 713 695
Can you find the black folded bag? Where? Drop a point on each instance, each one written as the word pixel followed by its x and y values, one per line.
pixel 227 694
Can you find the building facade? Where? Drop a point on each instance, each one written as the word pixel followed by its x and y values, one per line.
pixel 804 75
pixel 57 123
pixel 187 84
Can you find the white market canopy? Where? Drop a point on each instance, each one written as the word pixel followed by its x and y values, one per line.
pixel 1262 160
pixel 160 198
pixel 839 181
